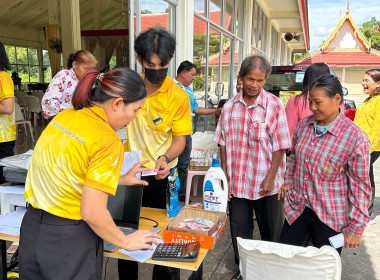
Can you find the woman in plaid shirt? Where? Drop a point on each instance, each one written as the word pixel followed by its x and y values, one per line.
pixel 327 176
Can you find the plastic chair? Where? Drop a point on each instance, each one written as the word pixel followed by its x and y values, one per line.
pixel 271 261
pixel 38 94
pixel 190 175
pixel 20 96
pixel 34 106
pixel 19 118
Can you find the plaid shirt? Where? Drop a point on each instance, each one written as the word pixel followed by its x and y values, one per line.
pixel 330 173
pixel 251 134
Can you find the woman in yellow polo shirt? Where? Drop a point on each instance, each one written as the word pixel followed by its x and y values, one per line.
pixel 367 118
pixel 75 166
pixel 7 115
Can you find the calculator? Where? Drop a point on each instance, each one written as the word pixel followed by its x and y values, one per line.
pixel 177 252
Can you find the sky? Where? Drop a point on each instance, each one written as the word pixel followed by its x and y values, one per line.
pixel 324 16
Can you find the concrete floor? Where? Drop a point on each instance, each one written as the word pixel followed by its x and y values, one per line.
pixel 357 264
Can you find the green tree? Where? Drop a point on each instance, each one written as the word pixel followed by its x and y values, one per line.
pixel 146 11
pixel 369 30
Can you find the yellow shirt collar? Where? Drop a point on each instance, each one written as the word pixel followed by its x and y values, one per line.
pixel 99 111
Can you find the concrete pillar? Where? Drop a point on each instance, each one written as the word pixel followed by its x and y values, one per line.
pixel 70 27
pixel 343 76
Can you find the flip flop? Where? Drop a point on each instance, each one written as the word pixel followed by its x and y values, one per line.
pixel 12 248
pixel 237 276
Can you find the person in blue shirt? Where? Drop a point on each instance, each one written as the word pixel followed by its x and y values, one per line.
pixel 185 76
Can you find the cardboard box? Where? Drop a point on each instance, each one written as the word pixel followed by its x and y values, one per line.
pixel 194 167
pixel 171 235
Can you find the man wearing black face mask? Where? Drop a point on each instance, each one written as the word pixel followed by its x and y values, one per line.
pixel 159 129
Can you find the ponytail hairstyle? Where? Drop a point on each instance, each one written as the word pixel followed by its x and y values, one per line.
pixel 99 88
pixel 80 57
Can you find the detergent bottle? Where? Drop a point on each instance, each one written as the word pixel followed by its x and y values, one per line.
pixel 214 196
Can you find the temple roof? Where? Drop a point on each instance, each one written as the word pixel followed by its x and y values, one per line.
pixel 346 46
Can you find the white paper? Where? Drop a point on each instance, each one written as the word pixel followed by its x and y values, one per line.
pixel 130 159
pixel 13 189
pixel 14 218
pixel 10 230
pixel 150 172
pixel 337 241
pixel 18 161
pixel 141 255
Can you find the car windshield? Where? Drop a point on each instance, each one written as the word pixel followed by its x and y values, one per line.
pixel 291 81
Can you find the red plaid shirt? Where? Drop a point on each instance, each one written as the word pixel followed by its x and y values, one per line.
pixel 251 134
pixel 330 173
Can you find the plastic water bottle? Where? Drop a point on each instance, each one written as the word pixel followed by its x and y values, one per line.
pixel 214 196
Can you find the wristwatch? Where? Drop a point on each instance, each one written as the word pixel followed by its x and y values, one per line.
pixel 166 158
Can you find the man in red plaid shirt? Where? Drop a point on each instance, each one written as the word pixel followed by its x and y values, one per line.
pixel 253 135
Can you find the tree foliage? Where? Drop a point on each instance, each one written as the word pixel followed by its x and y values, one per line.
pixel 369 30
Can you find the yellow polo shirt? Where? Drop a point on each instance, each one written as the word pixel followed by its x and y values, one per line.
pixel 7 122
pixel 164 113
pixel 77 148
pixel 367 117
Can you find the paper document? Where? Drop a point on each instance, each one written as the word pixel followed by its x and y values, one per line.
pixel 14 218
pixel 141 255
pixel 13 189
pixel 337 241
pixel 130 159
pixel 18 161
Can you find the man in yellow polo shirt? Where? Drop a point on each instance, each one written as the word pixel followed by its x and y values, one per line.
pixel 7 114
pixel 159 129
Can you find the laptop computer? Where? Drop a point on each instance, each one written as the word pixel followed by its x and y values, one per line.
pixel 125 209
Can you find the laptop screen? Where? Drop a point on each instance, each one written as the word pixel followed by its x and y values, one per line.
pixel 125 205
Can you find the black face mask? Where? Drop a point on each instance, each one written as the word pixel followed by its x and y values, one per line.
pixel 156 76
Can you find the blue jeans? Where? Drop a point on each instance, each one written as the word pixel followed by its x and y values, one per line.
pixel 183 165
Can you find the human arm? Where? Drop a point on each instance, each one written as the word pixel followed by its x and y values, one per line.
pixel 176 148
pixel 358 187
pixel 7 106
pixel 206 111
pixel 267 184
pixel 130 179
pixel 374 135
pixel 95 213
pixel 291 112
pixel 223 165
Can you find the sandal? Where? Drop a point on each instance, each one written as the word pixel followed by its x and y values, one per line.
pixel 237 276
pixel 12 248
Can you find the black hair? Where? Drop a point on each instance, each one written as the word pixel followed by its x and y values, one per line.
pixel 313 72
pixel 96 87
pixel 155 41
pixel 255 62
pixel 330 84
pixel 185 66
pixel 375 75
pixel 80 57
pixel 4 61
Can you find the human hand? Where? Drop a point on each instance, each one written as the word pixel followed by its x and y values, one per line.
pixel 130 178
pixel 351 241
pixel 267 185
pixel 217 111
pixel 162 169
pixel 282 191
pixel 140 239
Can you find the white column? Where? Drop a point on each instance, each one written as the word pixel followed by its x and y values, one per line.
pixel 185 31
pixel 343 76
pixel 70 27
pixel 248 14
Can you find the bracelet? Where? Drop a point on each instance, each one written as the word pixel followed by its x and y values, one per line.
pixel 165 156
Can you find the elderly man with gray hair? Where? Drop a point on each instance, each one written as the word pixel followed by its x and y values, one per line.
pixel 253 135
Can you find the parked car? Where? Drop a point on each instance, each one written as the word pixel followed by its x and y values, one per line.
pixel 285 81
